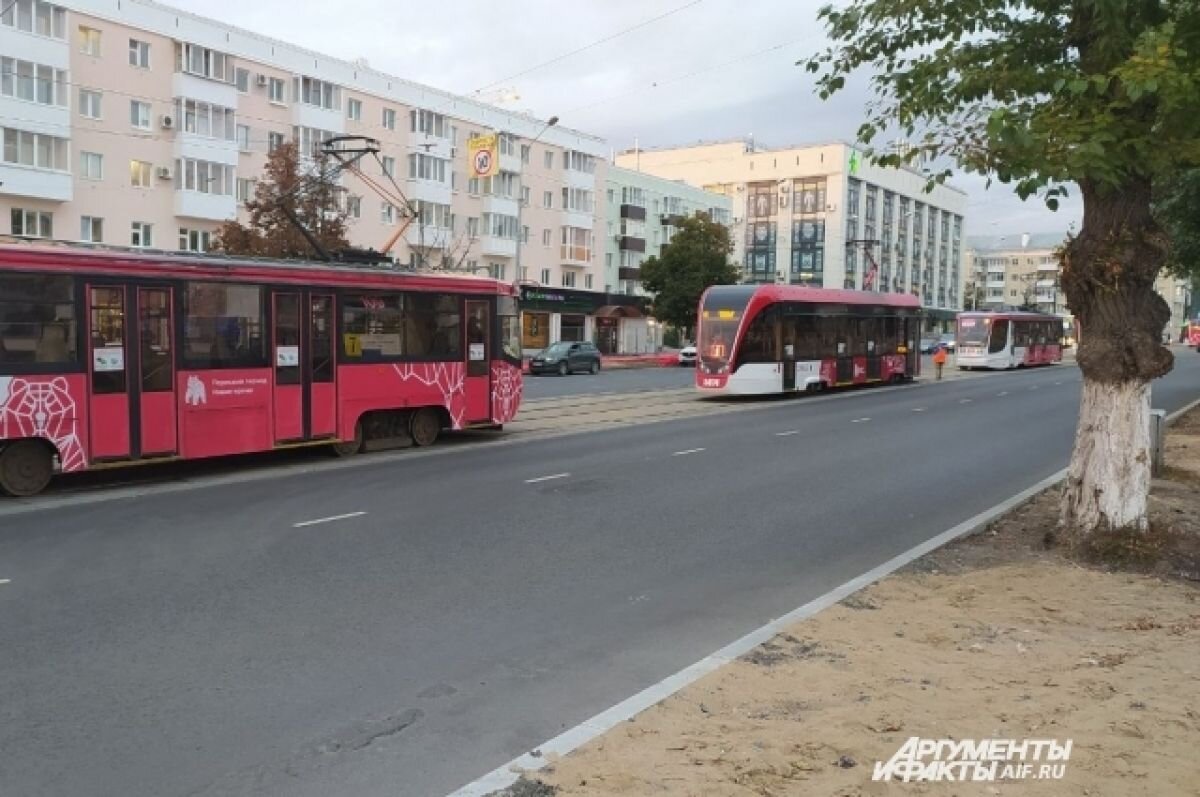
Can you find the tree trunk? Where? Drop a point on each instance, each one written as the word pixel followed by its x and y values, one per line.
pixel 1108 277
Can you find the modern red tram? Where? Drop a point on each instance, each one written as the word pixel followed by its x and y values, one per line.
pixel 762 339
pixel 114 357
pixel 1012 339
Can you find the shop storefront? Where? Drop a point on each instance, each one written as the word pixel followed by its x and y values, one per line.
pixel 549 315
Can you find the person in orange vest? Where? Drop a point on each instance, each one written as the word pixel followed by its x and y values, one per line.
pixel 939 359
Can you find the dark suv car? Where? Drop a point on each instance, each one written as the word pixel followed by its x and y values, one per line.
pixel 565 358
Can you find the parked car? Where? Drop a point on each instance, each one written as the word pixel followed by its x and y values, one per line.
pixel 929 344
pixel 948 341
pixel 687 356
pixel 564 358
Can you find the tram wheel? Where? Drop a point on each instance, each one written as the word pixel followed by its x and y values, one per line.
pixel 25 468
pixel 349 448
pixel 425 426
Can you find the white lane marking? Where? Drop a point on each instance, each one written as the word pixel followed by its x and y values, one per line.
pixel 547 478
pixel 860 420
pixel 1033 387
pixel 1002 393
pixel 964 401
pixel 689 451
pixel 918 409
pixel 787 434
pixel 1058 383
pixel 5 581
pixel 573 738
pixel 330 519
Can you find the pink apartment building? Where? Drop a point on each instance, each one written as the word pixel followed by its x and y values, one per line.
pixel 131 123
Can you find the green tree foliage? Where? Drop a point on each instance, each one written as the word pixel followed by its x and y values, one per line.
pixel 1177 208
pixel 1044 95
pixel 697 257
pixel 286 187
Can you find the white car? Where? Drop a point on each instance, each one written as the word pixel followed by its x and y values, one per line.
pixel 687 356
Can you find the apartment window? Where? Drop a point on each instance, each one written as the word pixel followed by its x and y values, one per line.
pixel 429 123
pixel 548 159
pixel 26 80
pixel 524 235
pixel 89 41
pixel 243 137
pixel 568 279
pixel 140 173
pixel 310 139
pixel 89 103
pixel 318 93
pixel 577 200
pixel 32 223
pixel 354 110
pixel 91 165
pixel 426 167
pixel 194 240
pixel 433 214
pixel 525 150
pixel 579 162
pixel 141 234
pixel 389 118
pixel 576 244
pixel 389 166
pixel 205 119
pixel 499 225
pixel 387 213
pixel 91 229
pixel 274 141
pixel 587 281
pixel 139 114
pixel 35 16
pixel 139 53
pixel 34 149
pixel 525 195
pixel 545 276
pixel 547 237
pixel 473 226
pixel 203 177
pixel 203 62
pixel 245 189
pixel 504 184
pixel 354 207
pixel 275 90
pixel 548 199
pixel 241 79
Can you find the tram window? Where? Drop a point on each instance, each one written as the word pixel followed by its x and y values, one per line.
pixel 37 321
pixel 806 337
pixel 432 326
pixel 223 326
pixel 759 343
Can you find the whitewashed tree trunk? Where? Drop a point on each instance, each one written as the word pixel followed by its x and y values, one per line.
pixel 1108 483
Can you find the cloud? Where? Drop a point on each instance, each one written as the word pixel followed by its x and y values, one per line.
pixel 714 70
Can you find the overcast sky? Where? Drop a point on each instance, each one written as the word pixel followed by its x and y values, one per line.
pixel 715 69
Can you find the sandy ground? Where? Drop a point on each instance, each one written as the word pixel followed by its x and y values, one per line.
pixel 992 637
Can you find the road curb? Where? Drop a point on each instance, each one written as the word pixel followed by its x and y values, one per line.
pixel 567 742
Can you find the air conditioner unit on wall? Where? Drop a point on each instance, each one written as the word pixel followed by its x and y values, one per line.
pixel 261 81
pixel 164 173
pixel 166 122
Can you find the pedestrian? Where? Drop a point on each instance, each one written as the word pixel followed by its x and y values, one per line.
pixel 939 359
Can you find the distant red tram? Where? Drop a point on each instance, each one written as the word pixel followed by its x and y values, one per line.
pixel 112 357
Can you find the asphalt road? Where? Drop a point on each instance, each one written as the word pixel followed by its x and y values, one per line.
pixel 208 642
pixel 611 380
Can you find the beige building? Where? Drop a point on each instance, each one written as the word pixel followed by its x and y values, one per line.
pixel 824 216
pixel 135 124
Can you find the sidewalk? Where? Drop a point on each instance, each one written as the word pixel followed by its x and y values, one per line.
pixel 994 637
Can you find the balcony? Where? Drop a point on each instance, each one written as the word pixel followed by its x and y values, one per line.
pixel 629 273
pixel 511 162
pixel 215 92
pixel 427 236
pixel 27 181
pixel 575 255
pixel 499 205
pixel 635 212
pixel 1043 284
pixel 630 244
pixel 497 247
pixel 197 205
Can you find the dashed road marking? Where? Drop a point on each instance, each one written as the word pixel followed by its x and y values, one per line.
pixel 1002 393
pixel 547 478
pixel 860 420
pixel 689 451
pixel 329 519
pixel 965 401
pixel 787 434
pixel 918 409
pixel 4 581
